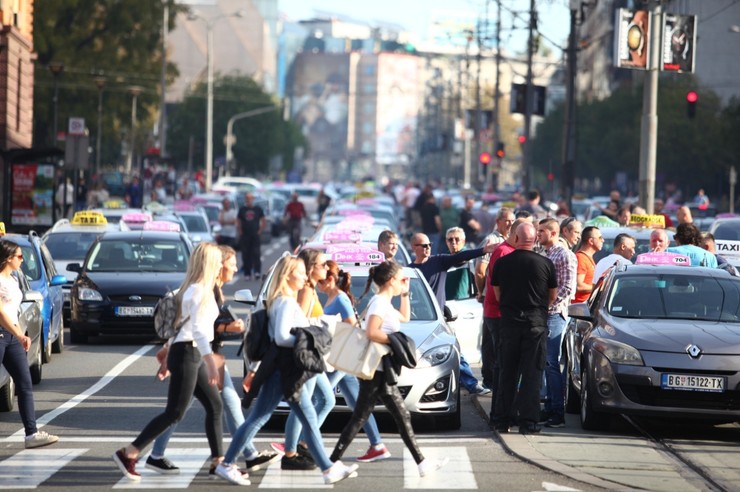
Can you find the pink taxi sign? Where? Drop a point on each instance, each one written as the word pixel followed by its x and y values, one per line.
pixel 136 218
pixel 354 212
pixel 342 236
pixel 663 258
pixel 349 248
pixel 362 257
pixel 161 226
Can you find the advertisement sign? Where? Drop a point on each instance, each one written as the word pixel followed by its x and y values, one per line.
pixel 679 42
pixel 632 30
pixel 33 194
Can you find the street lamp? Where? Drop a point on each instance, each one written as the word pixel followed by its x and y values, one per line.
pixel 209 104
pixel 99 83
pixel 56 70
pixel 231 139
pixel 134 90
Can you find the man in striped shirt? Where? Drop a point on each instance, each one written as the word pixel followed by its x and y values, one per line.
pixel 566 267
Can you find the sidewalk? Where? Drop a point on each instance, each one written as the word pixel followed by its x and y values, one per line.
pixel 610 461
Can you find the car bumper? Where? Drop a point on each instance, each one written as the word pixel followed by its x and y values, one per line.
pixel 90 319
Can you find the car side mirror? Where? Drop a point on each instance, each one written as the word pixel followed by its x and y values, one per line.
pixel 245 296
pixel 74 267
pixel 57 280
pixel 449 313
pixel 580 310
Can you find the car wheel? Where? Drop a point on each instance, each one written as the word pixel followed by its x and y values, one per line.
pixel 37 368
pixel 590 419
pixel 46 351
pixel 58 346
pixel 452 421
pixel 572 403
pixel 7 396
pixel 77 337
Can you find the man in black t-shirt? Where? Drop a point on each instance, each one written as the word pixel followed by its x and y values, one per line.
pixel 250 224
pixel 431 222
pixel 469 224
pixel 525 284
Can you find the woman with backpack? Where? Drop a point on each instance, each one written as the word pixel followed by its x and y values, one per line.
pixel 191 363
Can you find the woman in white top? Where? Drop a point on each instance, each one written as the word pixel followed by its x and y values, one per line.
pixel 190 362
pixel 14 343
pixel 382 319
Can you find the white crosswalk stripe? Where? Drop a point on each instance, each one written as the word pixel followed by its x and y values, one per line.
pixel 30 468
pixel 457 474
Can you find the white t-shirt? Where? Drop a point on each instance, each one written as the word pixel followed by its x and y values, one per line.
pixel 381 306
pixel 228 227
pixel 607 262
pixel 10 297
pixel 199 328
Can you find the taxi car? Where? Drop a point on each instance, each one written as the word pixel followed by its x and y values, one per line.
pixel 68 241
pixel 432 388
pixel 121 279
pixel 38 267
pixel 641 235
pixel 657 340
pixel 29 318
pixel 197 226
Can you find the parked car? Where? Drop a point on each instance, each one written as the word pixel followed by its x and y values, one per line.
pixel 29 320
pixel 38 267
pixel 656 340
pixel 641 235
pixel 123 276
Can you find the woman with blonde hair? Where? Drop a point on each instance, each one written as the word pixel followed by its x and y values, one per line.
pixel 284 314
pixel 191 363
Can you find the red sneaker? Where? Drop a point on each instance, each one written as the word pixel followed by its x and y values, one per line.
pixel 126 465
pixel 278 447
pixel 374 455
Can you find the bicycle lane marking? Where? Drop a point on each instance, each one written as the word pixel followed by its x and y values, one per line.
pixel 117 370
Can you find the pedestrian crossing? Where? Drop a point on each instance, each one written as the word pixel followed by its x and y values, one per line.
pixel 30 469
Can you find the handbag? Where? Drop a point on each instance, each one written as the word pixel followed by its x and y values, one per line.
pixel 354 353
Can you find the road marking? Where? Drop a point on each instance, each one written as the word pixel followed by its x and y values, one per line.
pixel 457 474
pixel 266 440
pixel 30 468
pixel 553 487
pixel 76 400
pixel 190 461
pixel 275 478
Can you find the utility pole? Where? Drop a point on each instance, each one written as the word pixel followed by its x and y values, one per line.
pixel 496 98
pixel 477 124
pixel 567 182
pixel 649 123
pixel 163 82
pixel 528 100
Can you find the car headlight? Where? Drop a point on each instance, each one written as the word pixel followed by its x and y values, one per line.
pixel 435 356
pixel 617 352
pixel 87 294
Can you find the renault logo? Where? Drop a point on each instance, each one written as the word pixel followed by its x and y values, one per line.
pixel 134 298
pixel 693 351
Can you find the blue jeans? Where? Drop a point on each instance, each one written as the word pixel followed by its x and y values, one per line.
pixel 267 400
pixel 350 387
pixel 232 412
pixel 554 376
pixel 13 357
pixel 467 379
pixel 322 394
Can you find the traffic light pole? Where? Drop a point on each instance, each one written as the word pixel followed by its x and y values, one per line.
pixel 649 124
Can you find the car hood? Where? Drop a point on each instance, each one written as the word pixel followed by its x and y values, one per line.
pixel 423 334
pixel 676 335
pixel 114 283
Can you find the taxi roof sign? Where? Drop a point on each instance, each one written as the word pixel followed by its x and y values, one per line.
pixel 2 227
pixel 161 226
pixel 354 255
pixel 115 204
pixel 342 236
pixel 662 258
pixel 136 217
pixel 89 218
pixel 646 220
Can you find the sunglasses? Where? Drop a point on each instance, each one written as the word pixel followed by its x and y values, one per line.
pixel 20 257
pixel 454 239
pixel 425 246
pixel 567 222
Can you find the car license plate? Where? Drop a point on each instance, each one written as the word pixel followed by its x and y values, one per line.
pixel 134 311
pixel 693 383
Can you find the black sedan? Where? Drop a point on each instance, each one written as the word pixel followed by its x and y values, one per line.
pixel 122 278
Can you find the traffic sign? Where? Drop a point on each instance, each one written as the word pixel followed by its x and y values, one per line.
pixel 76 126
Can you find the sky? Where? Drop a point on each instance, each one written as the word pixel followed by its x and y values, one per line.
pixel 418 15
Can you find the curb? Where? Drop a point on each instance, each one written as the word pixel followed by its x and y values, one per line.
pixel 519 446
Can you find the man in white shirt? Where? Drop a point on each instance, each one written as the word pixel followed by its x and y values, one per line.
pixel 624 250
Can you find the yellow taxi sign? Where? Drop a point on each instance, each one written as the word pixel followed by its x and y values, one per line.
pixel 2 227
pixel 114 204
pixel 646 220
pixel 90 218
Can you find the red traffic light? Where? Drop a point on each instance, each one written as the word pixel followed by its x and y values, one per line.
pixel 522 139
pixel 550 177
pixel 692 97
pixel 484 158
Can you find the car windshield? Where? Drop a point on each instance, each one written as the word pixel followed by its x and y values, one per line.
pixel 422 307
pixel 31 264
pixel 70 245
pixel 729 231
pixel 195 223
pixel 675 297
pixel 139 255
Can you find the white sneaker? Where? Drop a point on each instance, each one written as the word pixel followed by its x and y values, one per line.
pixel 429 467
pixel 339 471
pixel 232 474
pixel 39 439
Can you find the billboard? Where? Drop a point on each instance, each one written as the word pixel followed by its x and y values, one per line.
pixel 32 194
pixel 632 31
pixel 679 43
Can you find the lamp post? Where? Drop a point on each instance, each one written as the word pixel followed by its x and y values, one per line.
pixel 209 96
pixel 134 90
pixel 99 83
pixel 56 70
pixel 231 140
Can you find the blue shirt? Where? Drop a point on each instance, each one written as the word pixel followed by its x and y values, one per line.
pixel 341 305
pixel 698 256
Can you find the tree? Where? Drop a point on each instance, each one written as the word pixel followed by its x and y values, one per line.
pixel 120 41
pixel 258 139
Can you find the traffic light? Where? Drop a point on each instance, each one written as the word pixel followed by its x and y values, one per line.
pixel 500 153
pixel 691 98
pixel 484 158
pixel 522 139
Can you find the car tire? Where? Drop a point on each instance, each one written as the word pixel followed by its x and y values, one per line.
pixel 451 421
pixel 590 419
pixel 7 396
pixel 58 345
pixel 37 367
pixel 77 337
pixel 46 351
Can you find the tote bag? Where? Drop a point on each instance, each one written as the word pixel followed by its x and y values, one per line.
pixel 354 353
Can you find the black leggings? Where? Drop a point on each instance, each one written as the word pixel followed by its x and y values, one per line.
pixel 370 391
pixel 189 377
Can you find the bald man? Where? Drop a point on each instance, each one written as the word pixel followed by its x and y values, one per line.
pixel 525 284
